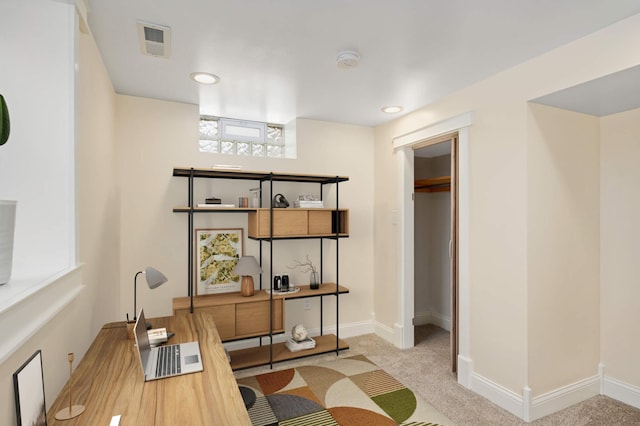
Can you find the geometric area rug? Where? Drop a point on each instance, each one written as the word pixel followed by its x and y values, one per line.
pixel 344 391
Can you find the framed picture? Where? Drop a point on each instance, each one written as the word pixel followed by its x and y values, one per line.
pixel 218 251
pixel 28 385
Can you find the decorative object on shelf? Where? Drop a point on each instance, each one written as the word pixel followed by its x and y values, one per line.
pixel 255 199
pixel 213 200
pixel 285 282
pixel 243 202
pixel 28 385
pixel 218 251
pixel 279 201
pixel 246 267
pixel 73 410
pixel 308 266
pixel 299 332
pixel 154 278
pixel 7 229
pixel 277 280
pixel 5 122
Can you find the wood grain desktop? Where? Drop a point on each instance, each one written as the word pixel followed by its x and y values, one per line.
pixel 108 381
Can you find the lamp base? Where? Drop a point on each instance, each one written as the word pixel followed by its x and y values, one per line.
pixel 246 287
pixel 70 412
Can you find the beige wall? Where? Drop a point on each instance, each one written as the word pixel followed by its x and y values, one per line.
pixel 156 136
pixel 562 247
pixel 620 245
pixel 499 203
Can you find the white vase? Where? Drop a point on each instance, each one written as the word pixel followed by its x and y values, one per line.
pixel 7 226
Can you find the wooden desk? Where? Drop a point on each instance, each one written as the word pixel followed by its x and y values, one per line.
pixel 108 381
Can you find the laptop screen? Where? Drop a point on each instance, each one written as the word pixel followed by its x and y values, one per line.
pixel 142 340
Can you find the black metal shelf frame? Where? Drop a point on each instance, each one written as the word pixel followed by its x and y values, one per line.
pixel 263 177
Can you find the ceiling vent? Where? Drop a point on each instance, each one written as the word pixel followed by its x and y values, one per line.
pixel 154 40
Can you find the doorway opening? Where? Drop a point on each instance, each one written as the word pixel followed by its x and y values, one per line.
pixel 435 236
pixel 404 328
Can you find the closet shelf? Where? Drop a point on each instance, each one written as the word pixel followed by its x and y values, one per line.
pixel 437 184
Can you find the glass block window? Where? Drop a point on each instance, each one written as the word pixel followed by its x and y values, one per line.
pixel 241 137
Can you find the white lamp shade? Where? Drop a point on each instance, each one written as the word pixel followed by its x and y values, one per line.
pixel 247 265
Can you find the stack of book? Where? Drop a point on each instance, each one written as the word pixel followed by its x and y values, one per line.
pixel 294 346
pixel 215 202
pixel 308 204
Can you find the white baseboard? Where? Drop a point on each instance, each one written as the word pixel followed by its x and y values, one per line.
pixel 528 408
pixel 499 395
pixel 431 317
pixel 563 397
pixel 465 371
pixel 383 331
pixel 621 391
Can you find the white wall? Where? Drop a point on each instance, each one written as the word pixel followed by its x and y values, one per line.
pixel 156 136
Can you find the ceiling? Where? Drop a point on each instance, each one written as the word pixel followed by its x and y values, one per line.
pixel 277 59
pixel 606 95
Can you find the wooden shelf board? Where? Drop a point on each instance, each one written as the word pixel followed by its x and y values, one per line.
pixel 446 188
pixel 437 184
pixel 251 336
pixel 255 175
pixel 299 237
pixel 187 209
pixel 252 357
pixel 326 289
pixel 218 299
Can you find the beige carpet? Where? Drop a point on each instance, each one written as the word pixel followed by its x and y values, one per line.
pixel 425 369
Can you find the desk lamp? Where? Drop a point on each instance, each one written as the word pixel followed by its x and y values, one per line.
pixel 247 266
pixel 155 279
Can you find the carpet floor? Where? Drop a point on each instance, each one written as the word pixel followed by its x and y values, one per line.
pixel 344 391
pixel 425 370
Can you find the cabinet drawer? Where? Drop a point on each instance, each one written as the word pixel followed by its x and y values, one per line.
pixel 224 317
pixel 253 318
pixel 285 223
pixel 319 222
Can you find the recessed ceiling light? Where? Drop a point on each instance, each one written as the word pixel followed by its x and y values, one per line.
pixel 205 77
pixel 392 109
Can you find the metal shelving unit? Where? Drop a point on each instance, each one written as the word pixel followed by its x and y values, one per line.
pixel 274 352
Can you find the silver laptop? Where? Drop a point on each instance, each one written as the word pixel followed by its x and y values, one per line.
pixel 168 360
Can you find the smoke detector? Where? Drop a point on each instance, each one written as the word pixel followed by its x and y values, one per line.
pixel 348 59
pixel 154 40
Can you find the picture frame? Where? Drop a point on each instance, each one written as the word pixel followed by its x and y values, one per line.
pixel 218 252
pixel 28 386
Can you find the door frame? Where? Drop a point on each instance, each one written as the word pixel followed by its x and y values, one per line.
pixel 403 333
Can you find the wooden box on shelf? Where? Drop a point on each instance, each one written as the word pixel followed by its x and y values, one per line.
pixel 297 222
pixel 236 316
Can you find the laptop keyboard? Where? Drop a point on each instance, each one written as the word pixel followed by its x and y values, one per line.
pixel 168 360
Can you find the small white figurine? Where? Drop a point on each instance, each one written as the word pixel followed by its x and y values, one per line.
pixel 299 333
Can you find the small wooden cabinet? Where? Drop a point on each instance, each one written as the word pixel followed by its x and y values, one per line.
pixel 236 316
pixel 298 222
